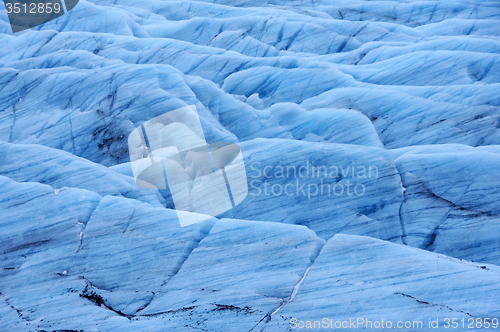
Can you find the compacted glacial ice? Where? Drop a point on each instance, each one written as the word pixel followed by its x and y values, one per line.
pixel 370 132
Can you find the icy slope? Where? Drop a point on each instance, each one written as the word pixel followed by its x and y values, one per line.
pixel 398 100
pixel 128 266
pixel 376 280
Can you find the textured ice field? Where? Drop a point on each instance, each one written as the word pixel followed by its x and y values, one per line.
pixel 408 91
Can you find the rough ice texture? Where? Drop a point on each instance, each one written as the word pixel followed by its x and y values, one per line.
pixel 410 88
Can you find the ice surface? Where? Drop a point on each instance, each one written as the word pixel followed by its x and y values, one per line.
pixel 375 280
pixel 408 90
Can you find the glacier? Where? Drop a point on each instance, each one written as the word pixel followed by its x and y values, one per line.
pixel 370 134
